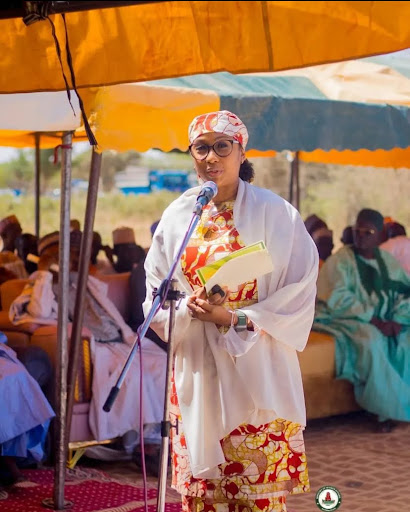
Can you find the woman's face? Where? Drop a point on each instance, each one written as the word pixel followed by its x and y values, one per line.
pixel 365 235
pixel 224 171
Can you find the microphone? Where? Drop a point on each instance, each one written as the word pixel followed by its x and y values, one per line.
pixel 208 191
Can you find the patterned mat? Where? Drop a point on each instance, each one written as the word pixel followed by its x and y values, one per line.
pixel 369 469
pixel 89 489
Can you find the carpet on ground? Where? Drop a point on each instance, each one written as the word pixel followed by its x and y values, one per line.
pixel 89 489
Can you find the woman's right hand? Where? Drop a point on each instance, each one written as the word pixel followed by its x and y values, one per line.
pixel 202 310
pixel 199 293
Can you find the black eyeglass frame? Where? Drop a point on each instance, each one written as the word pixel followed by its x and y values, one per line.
pixel 232 141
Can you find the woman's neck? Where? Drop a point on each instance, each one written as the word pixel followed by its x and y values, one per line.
pixel 226 194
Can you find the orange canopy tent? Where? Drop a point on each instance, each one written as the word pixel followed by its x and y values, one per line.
pixel 155 40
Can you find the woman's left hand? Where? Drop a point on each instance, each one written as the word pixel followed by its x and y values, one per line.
pixel 202 310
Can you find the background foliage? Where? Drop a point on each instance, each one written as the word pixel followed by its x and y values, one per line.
pixel 335 193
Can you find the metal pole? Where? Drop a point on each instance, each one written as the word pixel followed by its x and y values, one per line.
pixel 166 424
pixel 63 289
pixel 85 255
pixel 291 179
pixel 37 186
pixel 295 165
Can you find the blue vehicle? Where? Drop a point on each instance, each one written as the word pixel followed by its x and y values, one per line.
pixel 175 181
pixel 144 181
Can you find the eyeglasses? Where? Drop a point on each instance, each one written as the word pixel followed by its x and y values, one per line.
pixel 365 231
pixel 221 148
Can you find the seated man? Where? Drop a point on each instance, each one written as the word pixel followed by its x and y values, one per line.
pixel 27 244
pixel 75 225
pixel 322 237
pixel 126 252
pixel 397 244
pixel 25 412
pixel 12 267
pixel 347 236
pixel 364 302
pixel 110 342
pixel 99 266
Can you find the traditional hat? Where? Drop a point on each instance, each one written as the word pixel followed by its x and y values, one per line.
pixel 8 221
pixel 321 233
pixel 313 222
pixel 54 239
pixel 123 235
pixel 48 240
pixel 222 121
pixel 75 225
pixel 373 216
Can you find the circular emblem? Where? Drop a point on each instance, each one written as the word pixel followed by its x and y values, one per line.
pixel 328 498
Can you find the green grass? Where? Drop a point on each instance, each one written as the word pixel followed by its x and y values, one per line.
pixel 113 210
pixel 336 193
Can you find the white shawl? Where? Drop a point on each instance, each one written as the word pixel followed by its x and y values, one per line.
pixel 37 302
pixel 223 381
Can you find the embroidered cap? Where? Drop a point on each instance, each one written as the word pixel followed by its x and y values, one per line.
pixel 47 241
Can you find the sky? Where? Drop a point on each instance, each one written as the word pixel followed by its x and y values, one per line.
pixel 7 154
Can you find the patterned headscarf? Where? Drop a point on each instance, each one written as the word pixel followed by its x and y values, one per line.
pixel 219 122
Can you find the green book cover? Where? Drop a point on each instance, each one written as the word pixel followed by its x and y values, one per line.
pixel 205 273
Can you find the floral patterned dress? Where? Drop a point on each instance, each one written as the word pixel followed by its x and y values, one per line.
pixel 264 463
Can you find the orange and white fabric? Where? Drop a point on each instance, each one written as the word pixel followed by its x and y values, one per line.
pixel 263 463
pixel 222 121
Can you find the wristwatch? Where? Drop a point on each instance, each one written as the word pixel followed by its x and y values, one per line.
pixel 242 321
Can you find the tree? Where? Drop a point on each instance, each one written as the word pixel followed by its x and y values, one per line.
pixel 18 173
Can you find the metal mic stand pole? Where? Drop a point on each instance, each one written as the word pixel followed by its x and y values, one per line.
pixel 166 423
pixel 165 293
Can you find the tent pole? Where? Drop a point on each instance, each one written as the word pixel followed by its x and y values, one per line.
pixel 63 289
pixel 85 254
pixel 294 188
pixel 291 178
pixel 37 186
pixel 296 167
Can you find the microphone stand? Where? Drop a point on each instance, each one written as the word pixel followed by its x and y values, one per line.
pixel 164 297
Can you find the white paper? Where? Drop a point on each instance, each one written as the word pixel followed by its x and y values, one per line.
pixel 241 270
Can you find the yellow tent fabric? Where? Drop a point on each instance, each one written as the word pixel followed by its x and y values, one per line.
pixel 142 116
pixel 395 158
pixel 168 39
pixel 25 139
pixel 145 115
